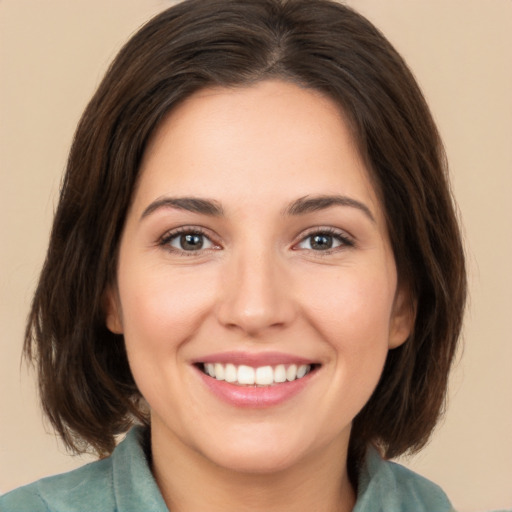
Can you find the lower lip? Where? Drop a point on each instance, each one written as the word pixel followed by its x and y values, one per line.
pixel 255 396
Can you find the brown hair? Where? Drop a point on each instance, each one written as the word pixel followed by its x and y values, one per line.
pixel 86 386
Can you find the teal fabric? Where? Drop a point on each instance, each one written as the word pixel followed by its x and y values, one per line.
pixel 120 483
pixel 124 483
pixel 385 486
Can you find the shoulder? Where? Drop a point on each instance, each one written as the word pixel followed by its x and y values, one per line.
pixel 90 485
pixel 122 482
pixel 386 486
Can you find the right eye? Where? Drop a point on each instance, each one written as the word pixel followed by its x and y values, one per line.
pixel 187 241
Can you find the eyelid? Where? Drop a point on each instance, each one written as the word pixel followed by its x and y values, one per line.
pixel 164 240
pixel 347 240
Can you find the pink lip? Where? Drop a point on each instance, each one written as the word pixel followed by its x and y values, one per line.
pixel 253 359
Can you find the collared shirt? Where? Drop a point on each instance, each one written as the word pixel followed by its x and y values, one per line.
pixel 123 482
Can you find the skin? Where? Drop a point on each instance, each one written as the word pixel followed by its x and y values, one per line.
pixel 257 285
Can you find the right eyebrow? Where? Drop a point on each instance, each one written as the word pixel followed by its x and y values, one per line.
pixel 191 204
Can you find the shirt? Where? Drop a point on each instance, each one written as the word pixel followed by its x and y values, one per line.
pixel 123 482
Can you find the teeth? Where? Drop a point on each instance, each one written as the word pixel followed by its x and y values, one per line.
pixel 219 371
pixel 301 371
pixel 209 369
pixel 262 376
pixel 245 375
pixel 280 373
pixel 230 373
pixel 291 373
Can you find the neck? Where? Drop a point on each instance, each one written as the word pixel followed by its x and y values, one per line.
pixel 191 483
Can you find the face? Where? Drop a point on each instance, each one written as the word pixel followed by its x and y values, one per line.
pixel 256 287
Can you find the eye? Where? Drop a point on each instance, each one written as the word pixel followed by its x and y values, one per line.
pixel 324 240
pixel 187 241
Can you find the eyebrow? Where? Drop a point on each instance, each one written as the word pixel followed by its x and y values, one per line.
pixel 308 204
pixel 191 204
pixel 301 206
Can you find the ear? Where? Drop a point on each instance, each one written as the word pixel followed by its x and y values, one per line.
pixel 402 318
pixel 112 308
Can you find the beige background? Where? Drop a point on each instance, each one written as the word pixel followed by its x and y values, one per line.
pixel 53 54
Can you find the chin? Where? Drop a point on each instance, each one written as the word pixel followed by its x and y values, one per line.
pixel 262 461
pixel 260 450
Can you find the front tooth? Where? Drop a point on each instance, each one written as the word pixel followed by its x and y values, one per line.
pixel 219 371
pixel 301 371
pixel 264 375
pixel 245 375
pixel 291 372
pixel 230 373
pixel 280 373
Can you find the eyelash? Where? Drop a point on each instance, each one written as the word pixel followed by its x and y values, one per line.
pixel 166 240
pixel 342 237
pixel 345 240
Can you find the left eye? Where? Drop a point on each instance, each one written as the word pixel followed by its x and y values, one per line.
pixel 189 241
pixel 321 242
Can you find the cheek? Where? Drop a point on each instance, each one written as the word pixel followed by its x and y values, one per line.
pixel 352 313
pixel 162 308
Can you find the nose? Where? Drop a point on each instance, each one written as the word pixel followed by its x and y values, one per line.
pixel 256 294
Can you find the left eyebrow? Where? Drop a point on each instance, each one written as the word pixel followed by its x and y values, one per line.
pixel 310 204
pixel 191 204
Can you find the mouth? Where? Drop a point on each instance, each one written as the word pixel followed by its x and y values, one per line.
pixel 261 376
pixel 250 380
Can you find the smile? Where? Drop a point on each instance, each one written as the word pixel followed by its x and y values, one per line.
pixel 243 375
pixel 261 380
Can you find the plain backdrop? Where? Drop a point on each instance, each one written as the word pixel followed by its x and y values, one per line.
pixel 53 54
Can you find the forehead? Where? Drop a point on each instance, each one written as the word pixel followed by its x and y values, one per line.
pixel 272 140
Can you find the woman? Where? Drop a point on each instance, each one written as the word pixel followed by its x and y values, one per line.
pixel 255 258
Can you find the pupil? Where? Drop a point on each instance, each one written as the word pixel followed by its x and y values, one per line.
pixel 321 242
pixel 191 242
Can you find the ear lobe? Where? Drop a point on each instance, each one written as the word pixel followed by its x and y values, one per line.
pixel 402 319
pixel 112 311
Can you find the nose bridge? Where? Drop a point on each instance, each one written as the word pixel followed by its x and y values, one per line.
pixel 255 296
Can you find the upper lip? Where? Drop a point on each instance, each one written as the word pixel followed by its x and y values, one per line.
pixel 254 359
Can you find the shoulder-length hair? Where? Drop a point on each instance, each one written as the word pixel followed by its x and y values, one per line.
pixel 86 386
